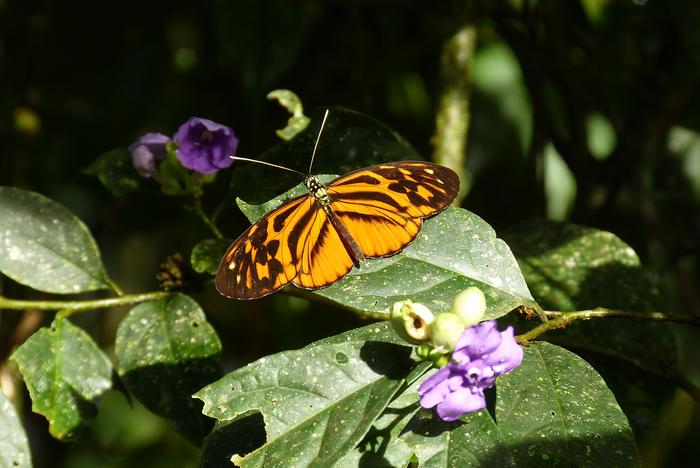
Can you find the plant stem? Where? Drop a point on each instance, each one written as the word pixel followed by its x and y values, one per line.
pixel 197 207
pixel 115 287
pixel 452 119
pixel 77 306
pixel 562 319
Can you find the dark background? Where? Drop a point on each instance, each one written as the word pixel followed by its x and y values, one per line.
pixel 584 111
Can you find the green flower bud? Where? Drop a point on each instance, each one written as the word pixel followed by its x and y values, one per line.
pixel 470 306
pixel 445 331
pixel 411 321
pixel 440 360
pixel 423 351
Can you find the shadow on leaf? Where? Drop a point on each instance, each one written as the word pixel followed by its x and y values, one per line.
pixel 167 389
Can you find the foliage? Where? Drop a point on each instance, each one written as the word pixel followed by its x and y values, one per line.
pixel 560 127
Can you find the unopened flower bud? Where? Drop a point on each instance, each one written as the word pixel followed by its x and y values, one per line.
pixel 470 306
pixel 411 321
pixel 423 351
pixel 445 331
pixel 441 360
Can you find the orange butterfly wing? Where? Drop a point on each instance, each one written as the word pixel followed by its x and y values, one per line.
pixel 380 207
pixel 383 206
pixel 294 242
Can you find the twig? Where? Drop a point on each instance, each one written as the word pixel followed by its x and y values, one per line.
pixel 562 319
pixel 199 211
pixel 77 306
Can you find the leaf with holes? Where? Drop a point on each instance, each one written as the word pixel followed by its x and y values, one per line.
pixel 317 402
pixel 65 372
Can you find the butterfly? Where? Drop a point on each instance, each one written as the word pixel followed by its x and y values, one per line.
pixel 315 239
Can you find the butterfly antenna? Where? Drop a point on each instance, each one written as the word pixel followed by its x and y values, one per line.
pixel 238 158
pixel 325 116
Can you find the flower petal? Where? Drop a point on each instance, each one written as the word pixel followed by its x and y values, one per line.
pixel 508 356
pixel 461 402
pixel 476 341
pixel 204 145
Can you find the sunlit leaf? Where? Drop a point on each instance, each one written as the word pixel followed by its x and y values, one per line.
pixel 65 372
pixel 45 246
pixel 317 402
pixel 298 121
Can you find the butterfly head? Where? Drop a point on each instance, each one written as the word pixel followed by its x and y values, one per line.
pixel 317 189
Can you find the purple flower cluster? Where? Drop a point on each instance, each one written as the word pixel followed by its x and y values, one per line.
pixel 481 355
pixel 204 146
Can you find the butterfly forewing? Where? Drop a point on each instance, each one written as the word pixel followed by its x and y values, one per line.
pixel 381 207
pixel 266 256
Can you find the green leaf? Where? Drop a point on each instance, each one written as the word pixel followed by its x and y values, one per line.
pixel 555 410
pixel 570 267
pixel 116 172
pixel 454 250
pixel 65 372
pixel 206 255
pixel 44 246
pixel 14 446
pixel 350 140
pixel 227 439
pixel 165 351
pixel 406 430
pixel 317 402
pixel 298 121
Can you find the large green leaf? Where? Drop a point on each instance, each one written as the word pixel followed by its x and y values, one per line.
pixel 454 250
pixel 350 140
pixel 165 351
pixel 555 410
pixel 571 267
pixel 44 246
pixel 14 446
pixel 65 372
pixel 317 402
pixel 406 430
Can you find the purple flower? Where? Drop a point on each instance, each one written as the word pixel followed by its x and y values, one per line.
pixel 481 354
pixel 148 149
pixel 205 146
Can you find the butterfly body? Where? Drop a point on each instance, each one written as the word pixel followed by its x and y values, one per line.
pixel 315 239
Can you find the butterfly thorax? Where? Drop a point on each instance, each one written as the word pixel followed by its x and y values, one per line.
pixel 318 190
